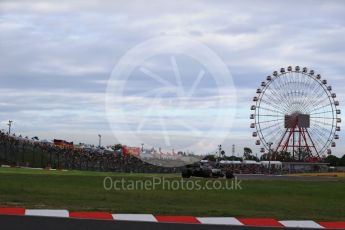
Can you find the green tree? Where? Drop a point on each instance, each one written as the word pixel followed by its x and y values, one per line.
pixel 210 158
pixel 264 157
pixel 333 160
pixel 117 147
pixel 247 153
pixel 233 158
pixel 342 161
pixel 252 158
pixel 222 153
pixel 283 156
pixel 247 150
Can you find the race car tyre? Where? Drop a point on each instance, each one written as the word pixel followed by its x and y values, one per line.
pixel 229 175
pixel 186 174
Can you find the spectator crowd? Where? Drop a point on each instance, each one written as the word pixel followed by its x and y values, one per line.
pixel 25 152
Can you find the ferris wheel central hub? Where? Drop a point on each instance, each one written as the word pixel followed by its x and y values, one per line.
pixel 297 120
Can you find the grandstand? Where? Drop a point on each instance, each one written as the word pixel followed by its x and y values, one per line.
pixel 25 152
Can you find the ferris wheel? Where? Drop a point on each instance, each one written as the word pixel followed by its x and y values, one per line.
pixel 296 111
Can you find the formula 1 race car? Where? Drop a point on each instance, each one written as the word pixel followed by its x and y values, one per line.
pixel 206 169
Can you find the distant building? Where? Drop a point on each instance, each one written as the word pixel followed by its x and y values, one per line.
pixel 63 143
pixel 296 167
pixel 132 151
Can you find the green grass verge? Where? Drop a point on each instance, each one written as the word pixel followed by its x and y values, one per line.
pixel 75 190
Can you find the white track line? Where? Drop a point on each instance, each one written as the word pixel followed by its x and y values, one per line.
pixel 219 220
pixel 46 212
pixel 300 224
pixel 135 217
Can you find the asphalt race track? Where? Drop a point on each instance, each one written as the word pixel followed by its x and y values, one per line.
pixel 44 223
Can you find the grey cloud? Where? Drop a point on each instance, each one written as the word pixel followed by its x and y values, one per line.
pixel 69 48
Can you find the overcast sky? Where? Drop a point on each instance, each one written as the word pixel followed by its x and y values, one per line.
pixel 57 58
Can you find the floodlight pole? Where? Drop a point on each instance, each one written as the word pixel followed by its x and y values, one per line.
pixel 99 140
pixel 233 151
pixel 269 157
pixel 9 126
